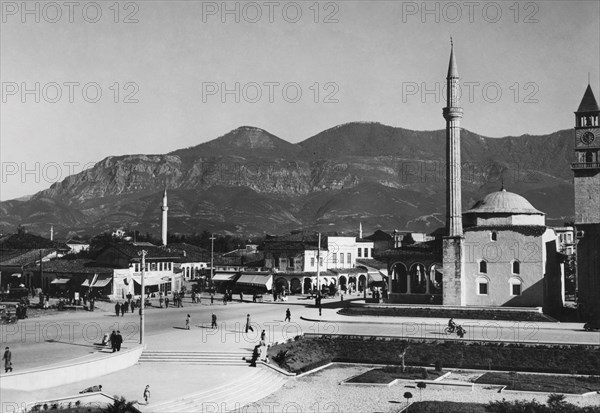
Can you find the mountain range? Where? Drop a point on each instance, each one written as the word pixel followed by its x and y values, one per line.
pixel 251 182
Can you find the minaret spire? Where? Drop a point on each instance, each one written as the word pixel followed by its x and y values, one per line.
pixel 360 230
pixel 164 209
pixel 453 113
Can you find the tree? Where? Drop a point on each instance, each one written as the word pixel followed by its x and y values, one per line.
pixel 407 396
pixel 120 405
pixel 421 385
pixel 556 401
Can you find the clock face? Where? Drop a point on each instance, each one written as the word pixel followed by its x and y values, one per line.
pixel 587 138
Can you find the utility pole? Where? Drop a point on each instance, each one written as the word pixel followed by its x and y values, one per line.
pixel 142 253
pixel 319 265
pixel 212 253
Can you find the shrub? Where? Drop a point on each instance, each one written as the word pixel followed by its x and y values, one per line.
pixel 424 374
pixel 438 365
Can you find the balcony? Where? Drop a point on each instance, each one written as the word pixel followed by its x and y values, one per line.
pixel 585 165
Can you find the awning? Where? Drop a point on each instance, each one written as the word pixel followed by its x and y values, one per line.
pixel 151 281
pixel 375 276
pixel 17 274
pixel 60 281
pixel 86 283
pixel 223 277
pixel 103 282
pixel 256 280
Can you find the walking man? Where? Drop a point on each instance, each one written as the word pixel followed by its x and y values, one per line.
pixel 187 322
pixel 113 341
pixel 214 321
pixel 117 308
pixel 212 298
pixel 288 315
pixel 248 326
pixel 124 308
pixel 118 340
pixel 7 360
pixel 147 394
pixel 166 302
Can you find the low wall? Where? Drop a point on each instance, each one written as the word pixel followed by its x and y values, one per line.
pixel 53 376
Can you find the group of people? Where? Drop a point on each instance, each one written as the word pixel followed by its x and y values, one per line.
pixel 456 328
pixel 124 307
pixel 115 340
pixel 177 299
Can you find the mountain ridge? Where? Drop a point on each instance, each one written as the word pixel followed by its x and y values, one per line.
pixel 251 181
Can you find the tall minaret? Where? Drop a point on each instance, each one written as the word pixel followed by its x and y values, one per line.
pixel 453 113
pixel 360 230
pixel 51 232
pixel 454 289
pixel 164 209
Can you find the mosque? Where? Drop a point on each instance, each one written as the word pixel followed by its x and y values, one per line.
pixel 497 253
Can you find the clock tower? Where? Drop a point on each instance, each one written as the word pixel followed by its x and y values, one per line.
pixel 586 168
pixel 586 176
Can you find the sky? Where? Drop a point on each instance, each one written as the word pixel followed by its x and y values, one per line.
pixel 85 80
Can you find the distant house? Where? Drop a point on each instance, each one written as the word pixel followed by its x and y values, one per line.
pixel 193 259
pixel 20 253
pixel 77 246
pixel 64 277
pixel 126 259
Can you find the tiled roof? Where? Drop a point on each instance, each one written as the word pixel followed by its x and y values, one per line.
pixel 131 251
pixel 23 257
pixel 379 235
pixel 79 266
pixel 372 263
pixel 28 242
pixel 503 202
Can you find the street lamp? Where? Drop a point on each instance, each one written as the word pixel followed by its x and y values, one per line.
pixel 142 254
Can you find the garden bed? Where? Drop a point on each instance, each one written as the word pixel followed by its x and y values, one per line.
pixel 306 354
pixel 446 313
pixel 542 383
pixel 447 407
pixel 385 375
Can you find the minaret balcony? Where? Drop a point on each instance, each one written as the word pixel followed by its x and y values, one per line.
pixel 452 112
pixel 585 165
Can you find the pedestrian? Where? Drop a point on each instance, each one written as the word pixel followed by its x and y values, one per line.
pixel 160 300
pixel 124 308
pixel 7 360
pixel 113 341
pixel 117 308
pixel 118 340
pixel 241 296
pixel 225 298
pixel 92 302
pixel 214 321
pixel 263 336
pixel 147 394
pixel 132 305
pixel 288 315
pixel 248 326
pixel 166 302
pixel 212 298
pixel 187 322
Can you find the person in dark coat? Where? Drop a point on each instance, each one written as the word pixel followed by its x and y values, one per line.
pixel 113 341
pixel 118 340
pixel 117 308
pixel 124 308
pixel 288 315
pixel 132 305
pixel 7 357
pixel 214 321
pixel 248 326
pixel 166 302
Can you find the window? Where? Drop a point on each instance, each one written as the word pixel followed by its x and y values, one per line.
pixel 349 258
pixel 334 258
pixel 366 252
pixel 515 286
pixel 516 267
pixel 321 261
pixel 494 236
pixel 341 257
pixel 359 253
pixel 482 286
pixel 483 267
pixel 291 263
pixel 372 252
pixel 312 261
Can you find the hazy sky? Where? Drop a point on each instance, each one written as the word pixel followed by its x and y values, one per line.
pixel 162 66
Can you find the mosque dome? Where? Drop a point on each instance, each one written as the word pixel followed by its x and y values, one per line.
pixel 503 202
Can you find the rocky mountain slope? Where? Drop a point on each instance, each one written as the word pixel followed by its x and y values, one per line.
pixel 250 181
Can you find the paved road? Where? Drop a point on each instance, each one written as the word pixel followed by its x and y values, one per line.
pixel 68 335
